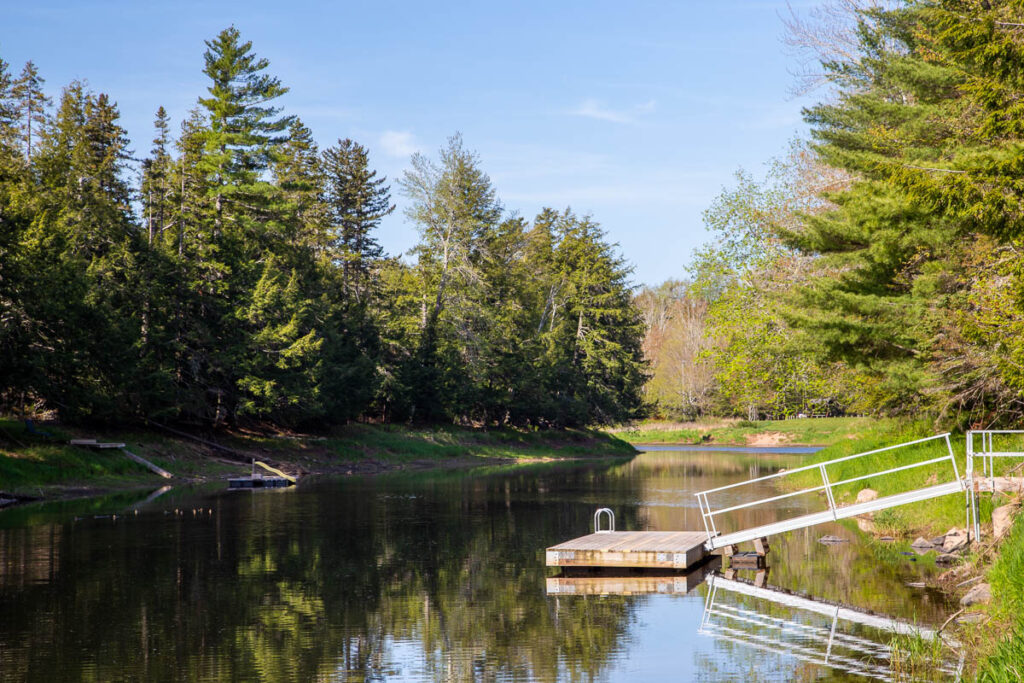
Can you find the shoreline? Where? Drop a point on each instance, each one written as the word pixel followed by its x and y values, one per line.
pixel 33 470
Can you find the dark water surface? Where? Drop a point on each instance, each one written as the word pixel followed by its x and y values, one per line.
pixel 432 576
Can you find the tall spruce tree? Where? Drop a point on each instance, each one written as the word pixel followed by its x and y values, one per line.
pixel 86 248
pixel 357 200
pixel 156 180
pixel 32 105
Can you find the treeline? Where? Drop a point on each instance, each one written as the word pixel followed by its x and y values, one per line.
pixel 878 266
pixel 240 279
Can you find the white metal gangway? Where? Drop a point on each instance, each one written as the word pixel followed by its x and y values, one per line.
pixel 725 497
pixel 800 629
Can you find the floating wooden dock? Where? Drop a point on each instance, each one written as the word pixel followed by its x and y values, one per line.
pixel 637 549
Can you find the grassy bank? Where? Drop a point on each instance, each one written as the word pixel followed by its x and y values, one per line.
pixel 32 465
pixel 804 431
pixel 1001 637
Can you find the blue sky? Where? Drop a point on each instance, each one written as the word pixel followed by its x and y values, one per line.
pixel 637 113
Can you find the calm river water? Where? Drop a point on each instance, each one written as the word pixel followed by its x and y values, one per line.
pixel 434 576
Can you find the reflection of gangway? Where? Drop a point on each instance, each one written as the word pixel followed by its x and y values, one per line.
pixel 834 647
pixel 834 511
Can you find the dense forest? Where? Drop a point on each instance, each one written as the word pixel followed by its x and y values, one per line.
pixel 877 267
pixel 233 275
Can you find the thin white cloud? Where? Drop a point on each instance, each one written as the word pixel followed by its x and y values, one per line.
pixel 398 143
pixel 595 109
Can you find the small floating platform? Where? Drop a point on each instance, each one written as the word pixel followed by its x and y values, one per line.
pixel 638 549
pixel 258 483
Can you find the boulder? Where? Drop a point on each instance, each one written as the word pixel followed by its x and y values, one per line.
pixel 866 495
pixel 922 544
pixel 831 540
pixel 946 559
pixel 1002 520
pixel 982 593
pixel 955 540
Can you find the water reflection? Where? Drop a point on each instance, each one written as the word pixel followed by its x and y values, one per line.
pixel 427 576
pixel 833 635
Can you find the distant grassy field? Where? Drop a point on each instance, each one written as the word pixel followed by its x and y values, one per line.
pixel 31 463
pixel 803 431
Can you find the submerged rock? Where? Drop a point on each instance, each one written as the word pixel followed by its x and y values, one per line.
pixel 831 540
pixel 980 594
pixel 970 618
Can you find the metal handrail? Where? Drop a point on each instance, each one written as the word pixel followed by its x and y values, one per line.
pixel 708 514
pixel 597 521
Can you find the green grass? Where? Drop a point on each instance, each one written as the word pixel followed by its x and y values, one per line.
pixel 392 443
pixel 1005 632
pixel 914 658
pixel 805 431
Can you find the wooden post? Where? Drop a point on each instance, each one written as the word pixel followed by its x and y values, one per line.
pixel 761 546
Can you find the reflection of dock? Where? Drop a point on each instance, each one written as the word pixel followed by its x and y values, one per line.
pixel 812 631
pixel 617 583
pixel 638 549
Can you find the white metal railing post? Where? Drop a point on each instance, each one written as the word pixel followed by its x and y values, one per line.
pixel 711 518
pixel 952 458
pixel 972 502
pixel 828 492
pixel 703 515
